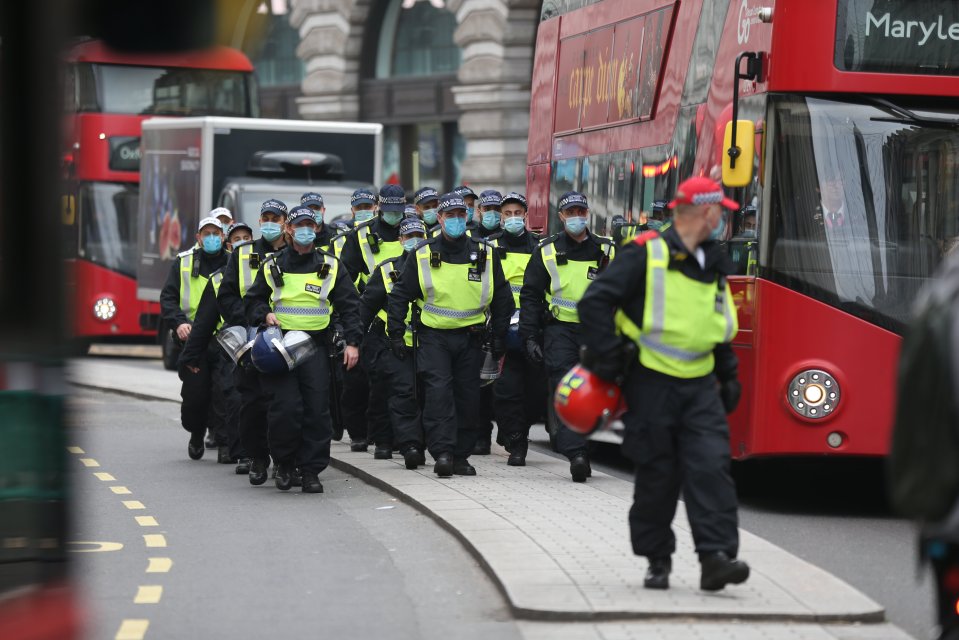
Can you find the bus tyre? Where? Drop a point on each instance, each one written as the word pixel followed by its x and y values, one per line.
pixel 171 352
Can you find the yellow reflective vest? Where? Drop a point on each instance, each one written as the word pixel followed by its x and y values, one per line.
pixel 374 250
pixel 514 267
pixel 301 301
pixel 568 282
pixel 191 285
pixel 390 275
pixel 455 295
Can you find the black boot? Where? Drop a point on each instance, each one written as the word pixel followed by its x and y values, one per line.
pixel 463 468
pixel 210 440
pixel 223 455
pixel 297 478
pixel 443 467
pixel 243 466
pixel 481 448
pixel 657 576
pixel 413 457
pixel 311 484
pixel 284 476
pixel 579 467
pixel 383 452
pixel 359 445
pixel 195 448
pixel 518 446
pixel 258 469
pixel 718 570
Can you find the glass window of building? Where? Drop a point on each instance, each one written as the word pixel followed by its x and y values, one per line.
pixel 417 41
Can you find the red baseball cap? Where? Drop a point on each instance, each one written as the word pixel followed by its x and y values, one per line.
pixel 702 190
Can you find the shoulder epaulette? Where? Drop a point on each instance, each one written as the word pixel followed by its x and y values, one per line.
pixel 186 253
pixel 550 239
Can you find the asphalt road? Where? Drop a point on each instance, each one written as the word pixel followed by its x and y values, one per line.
pixel 831 513
pixel 253 562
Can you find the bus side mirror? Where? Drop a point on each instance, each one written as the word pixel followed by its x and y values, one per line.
pixel 738 158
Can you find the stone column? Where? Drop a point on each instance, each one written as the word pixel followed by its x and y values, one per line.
pixel 497 38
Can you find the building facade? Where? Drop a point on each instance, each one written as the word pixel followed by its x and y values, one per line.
pixel 449 79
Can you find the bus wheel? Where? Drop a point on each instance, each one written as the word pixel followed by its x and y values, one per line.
pixel 171 352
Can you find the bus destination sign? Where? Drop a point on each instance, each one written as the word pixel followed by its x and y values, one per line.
pixel 898 36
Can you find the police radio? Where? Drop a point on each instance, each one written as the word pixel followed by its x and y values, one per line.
pixel 480 260
pixel 394 275
pixel 374 241
pixel 561 258
pixel 435 259
pixel 254 260
pixel 323 271
pixel 195 269
pixel 277 274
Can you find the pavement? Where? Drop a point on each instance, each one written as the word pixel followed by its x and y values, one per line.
pixel 559 551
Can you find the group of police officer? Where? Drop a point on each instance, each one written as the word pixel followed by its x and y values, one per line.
pixel 409 308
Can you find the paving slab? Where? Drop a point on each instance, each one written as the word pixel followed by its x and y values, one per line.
pixel 560 550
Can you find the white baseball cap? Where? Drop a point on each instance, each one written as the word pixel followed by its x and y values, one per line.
pixel 221 211
pixel 209 220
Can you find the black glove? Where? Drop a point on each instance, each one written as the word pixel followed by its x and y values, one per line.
pixel 497 347
pixel 729 392
pixel 534 352
pixel 398 347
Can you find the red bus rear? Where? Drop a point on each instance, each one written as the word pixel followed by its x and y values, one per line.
pixel 107 95
pixel 850 205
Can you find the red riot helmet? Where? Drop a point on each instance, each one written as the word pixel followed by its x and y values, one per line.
pixel 585 402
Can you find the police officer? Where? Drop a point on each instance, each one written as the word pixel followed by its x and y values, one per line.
pixel 224 215
pixel 469 197
pixel 179 300
pixel 557 275
pixel 295 290
pixel 520 392
pixel 237 234
pixel 679 312
pixel 324 232
pixel 377 238
pixel 237 279
pixel 426 201
pixel 454 281
pixel 394 374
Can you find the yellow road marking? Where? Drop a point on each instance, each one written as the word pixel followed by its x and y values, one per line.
pixel 154 540
pixel 120 491
pixel 75 450
pixel 147 521
pixel 133 504
pixel 106 477
pixel 89 462
pixel 97 546
pixel 148 594
pixel 159 565
pixel 132 630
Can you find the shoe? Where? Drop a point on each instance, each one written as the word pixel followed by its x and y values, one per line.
pixel 297 478
pixel 210 440
pixel 463 468
pixel 579 467
pixel 311 484
pixel 223 455
pixel 518 446
pixel 359 445
pixel 657 576
pixel 443 467
pixel 718 570
pixel 383 452
pixel 258 470
pixel 414 458
pixel 243 466
pixel 284 476
pixel 481 448
pixel 195 448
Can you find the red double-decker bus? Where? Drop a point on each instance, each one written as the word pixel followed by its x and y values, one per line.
pixel 106 96
pixel 848 172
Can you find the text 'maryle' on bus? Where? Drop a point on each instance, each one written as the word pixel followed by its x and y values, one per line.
pixel 849 179
pixel 106 97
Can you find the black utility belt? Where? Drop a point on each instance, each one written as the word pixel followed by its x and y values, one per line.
pixel 473 328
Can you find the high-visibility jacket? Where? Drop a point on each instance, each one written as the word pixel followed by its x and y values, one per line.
pixel 216 279
pixel 568 281
pixel 390 275
pixel 248 263
pixel 455 295
pixel 301 301
pixel 191 282
pixel 514 267
pixel 683 319
pixel 373 249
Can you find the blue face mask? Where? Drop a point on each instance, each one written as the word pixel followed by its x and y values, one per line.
pixel 304 236
pixel 270 231
pixel 514 225
pixel 212 244
pixel 720 229
pixel 454 227
pixel 491 219
pixel 576 225
pixel 470 211
pixel 429 216
pixel 363 216
pixel 392 218
pixel 409 245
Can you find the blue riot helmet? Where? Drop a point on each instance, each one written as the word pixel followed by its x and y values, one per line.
pixel 244 357
pixel 296 347
pixel 233 340
pixel 265 354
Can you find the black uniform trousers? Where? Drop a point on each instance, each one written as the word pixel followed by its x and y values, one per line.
pixel 561 353
pixel 484 425
pixel 300 427
pixel 374 349
pixel 399 378
pixel 353 399
pixel 519 394
pixel 449 363
pixel 204 399
pixel 677 435
pixel 252 419
pixel 225 385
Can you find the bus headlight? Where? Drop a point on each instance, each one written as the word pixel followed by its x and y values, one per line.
pixel 813 394
pixel 104 309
